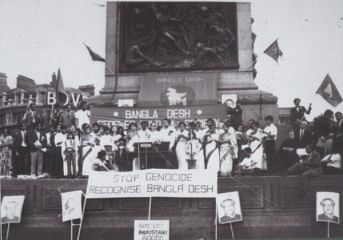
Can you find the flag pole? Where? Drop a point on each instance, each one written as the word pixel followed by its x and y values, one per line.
pixel 313 97
pixel 216 224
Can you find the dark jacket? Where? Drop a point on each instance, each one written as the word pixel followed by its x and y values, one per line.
pixel 225 219
pixel 313 162
pixel 31 117
pixel 298 114
pixel 306 139
pixel 32 137
pixel 326 218
pixel 17 140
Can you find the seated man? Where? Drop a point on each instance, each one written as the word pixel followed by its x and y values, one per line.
pixel 332 162
pixel 287 152
pixel 100 163
pixel 247 167
pixel 308 165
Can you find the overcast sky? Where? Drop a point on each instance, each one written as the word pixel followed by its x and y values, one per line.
pixel 38 36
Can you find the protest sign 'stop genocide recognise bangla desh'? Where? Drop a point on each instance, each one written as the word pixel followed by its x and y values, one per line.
pixel 153 183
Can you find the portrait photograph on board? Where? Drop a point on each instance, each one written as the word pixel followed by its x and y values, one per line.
pixel 71 205
pixel 11 209
pixel 229 208
pixel 327 207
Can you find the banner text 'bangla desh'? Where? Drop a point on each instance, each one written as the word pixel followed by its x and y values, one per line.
pixel 153 183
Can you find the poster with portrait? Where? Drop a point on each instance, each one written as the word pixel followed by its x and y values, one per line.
pixel 327 207
pixel 71 205
pixel 229 100
pixel 228 207
pixel 11 209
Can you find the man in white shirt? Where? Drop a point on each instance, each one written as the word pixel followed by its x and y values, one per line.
pixel 333 162
pixel 199 132
pixel 167 132
pixel 270 135
pixel 59 140
pixel 155 136
pixel 144 133
pixel 82 116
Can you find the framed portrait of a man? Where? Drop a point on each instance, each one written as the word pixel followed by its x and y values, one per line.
pixel 229 100
pixel 71 205
pixel 11 209
pixel 327 207
pixel 228 208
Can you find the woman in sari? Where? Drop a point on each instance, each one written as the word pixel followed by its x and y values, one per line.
pixel 211 151
pixel 180 146
pixel 194 152
pixel 132 139
pixel 6 144
pixel 255 137
pixel 87 150
pixel 227 150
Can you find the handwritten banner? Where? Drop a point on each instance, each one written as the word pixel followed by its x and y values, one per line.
pixel 151 229
pixel 154 183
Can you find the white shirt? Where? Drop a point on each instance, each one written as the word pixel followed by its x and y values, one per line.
pixel 106 140
pixel 82 117
pixel 155 136
pixel 144 136
pixel 200 134
pixel 335 160
pixel 167 134
pixel 272 130
pixel 248 163
pixel 23 144
pixel 59 139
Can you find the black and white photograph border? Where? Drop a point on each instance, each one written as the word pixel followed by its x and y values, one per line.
pixel 251 90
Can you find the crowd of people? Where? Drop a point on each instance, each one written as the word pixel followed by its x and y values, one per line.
pixel 65 144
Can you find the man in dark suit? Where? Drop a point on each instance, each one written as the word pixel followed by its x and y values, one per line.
pixel 21 152
pixel 228 206
pixel 298 113
pixel 287 152
pixel 339 121
pixel 328 211
pixel 36 141
pixel 338 140
pixel 31 116
pixel 303 135
pixel 308 166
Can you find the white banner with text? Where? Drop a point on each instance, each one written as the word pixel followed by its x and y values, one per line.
pixel 153 183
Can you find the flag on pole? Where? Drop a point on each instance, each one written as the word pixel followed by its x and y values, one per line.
pixel 61 95
pixel 274 51
pixel 329 91
pixel 94 55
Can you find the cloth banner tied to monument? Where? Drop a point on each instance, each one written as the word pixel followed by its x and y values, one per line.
pixel 153 183
pixel 178 89
pixel 123 116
